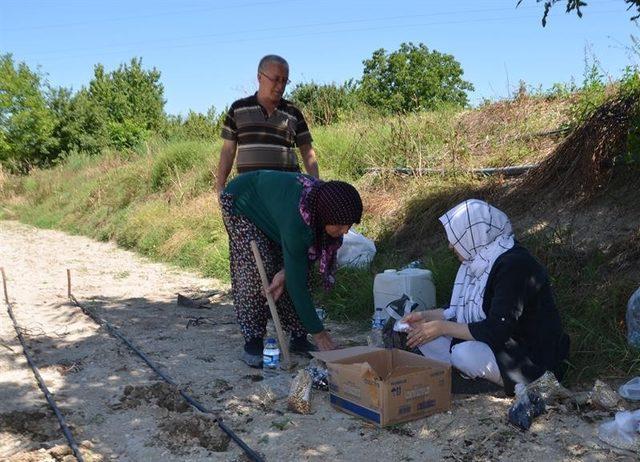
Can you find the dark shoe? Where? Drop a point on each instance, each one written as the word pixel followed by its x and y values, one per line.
pixel 301 345
pixel 252 354
pixel 250 360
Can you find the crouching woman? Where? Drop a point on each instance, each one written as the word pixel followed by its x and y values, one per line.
pixel 502 324
pixel 295 220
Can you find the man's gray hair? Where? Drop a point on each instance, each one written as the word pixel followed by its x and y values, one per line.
pixel 269 59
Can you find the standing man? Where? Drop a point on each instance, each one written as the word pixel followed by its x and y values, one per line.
pixel 264 129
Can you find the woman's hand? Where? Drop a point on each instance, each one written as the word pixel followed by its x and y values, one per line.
pixel 276 287
pixel 324 341
pixel 422 333
pixel 424 316
pixel 414 318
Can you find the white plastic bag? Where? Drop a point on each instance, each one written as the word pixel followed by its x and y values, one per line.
pixel 622 432
pixel 398 309
pixel 633 320
pixel 356 250
pixel 631 389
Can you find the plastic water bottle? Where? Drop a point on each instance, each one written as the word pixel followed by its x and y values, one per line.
pixel 271 355
pixel 377 323
pixel 414 264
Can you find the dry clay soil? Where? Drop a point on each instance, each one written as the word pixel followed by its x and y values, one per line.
pixel 118 409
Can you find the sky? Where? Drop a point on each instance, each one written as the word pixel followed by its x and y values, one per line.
pixel 208 51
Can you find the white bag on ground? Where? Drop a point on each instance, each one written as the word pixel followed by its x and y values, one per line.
pixel 356 250
pixel 622 432
pixel 633 320
pixel 631 389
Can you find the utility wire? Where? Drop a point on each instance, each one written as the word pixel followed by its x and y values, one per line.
pixel 174 13
pixel 286 36
pixel 243 33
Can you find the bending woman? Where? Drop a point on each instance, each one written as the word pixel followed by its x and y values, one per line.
pixel 296 220
pixel 502 323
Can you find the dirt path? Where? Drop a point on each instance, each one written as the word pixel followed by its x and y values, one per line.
pixel 119 411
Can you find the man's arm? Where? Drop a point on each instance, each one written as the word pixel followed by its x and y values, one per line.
pixel 225 164
pixel 309 160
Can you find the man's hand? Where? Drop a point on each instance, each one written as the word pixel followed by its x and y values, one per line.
pixel 324 341
pixel 225 164
pixel 309 160
pixel 276 287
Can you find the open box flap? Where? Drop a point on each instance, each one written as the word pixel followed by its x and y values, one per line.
pixel 404 370
pixel 337 355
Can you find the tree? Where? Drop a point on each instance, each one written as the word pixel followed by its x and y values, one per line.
pixel 26 123
pixel 133 101
pixel 576 5
pixel 81 125
pixel 412 78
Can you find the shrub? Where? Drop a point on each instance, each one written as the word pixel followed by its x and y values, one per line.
pixel 325 104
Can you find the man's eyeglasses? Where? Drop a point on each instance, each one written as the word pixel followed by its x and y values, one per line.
pixel 282 81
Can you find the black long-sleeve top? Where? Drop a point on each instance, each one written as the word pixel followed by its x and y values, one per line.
pixel 522 324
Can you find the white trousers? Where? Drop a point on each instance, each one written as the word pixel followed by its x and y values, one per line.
pixel 474 359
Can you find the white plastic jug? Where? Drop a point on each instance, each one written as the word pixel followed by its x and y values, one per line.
pixel 417 283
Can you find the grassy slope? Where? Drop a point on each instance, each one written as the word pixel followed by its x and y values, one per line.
pixel 158 201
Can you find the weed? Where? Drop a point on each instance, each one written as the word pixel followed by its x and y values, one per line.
pixel 281 424
pixel 122 275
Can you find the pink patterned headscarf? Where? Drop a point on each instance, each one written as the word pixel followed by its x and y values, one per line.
pixel 327 203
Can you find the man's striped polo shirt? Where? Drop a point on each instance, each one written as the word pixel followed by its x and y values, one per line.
pixel 265 142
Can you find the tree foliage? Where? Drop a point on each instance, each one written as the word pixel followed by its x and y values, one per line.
pixel 131 99
pixel 412 78
pixel 324 104
pixel 38 123
pixel 195 126
pixel 576 5
pixel 26 122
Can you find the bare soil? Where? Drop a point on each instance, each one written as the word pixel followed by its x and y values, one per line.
pixel 118 409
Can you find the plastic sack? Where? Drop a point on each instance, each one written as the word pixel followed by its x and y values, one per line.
pixel 394 333
pixel 603 396
pixel 548 387
pixel 356 250
pixel 300 393
pixel 319 374
pixel 622 432
pixel 528 405
pixel 633 320
pixel 399 308
pixel 631 389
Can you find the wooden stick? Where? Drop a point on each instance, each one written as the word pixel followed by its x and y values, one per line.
pixel 69 283
pixel 284 347
pixel 6 299
pixel 4 285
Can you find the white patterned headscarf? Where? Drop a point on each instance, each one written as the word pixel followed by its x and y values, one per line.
pixel 480 233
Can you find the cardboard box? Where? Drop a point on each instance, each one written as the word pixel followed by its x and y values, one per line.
pixel 386 386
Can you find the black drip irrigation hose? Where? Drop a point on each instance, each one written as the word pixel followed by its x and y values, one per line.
pixel 253 456
pixel 63 424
